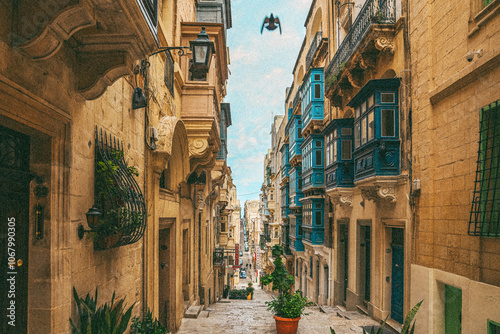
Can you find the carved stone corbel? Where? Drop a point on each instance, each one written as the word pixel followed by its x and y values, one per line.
pixel 385 44
pixel 387 192
pixel 369 193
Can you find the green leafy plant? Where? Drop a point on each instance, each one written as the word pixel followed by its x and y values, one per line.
pixel 147 325
pixel 285 305
pixel 406 326
pixel 238 294
pixel 110 318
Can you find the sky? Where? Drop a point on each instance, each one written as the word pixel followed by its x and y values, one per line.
pixel 261 68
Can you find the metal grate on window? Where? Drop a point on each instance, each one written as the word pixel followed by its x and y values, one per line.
pixel 485 211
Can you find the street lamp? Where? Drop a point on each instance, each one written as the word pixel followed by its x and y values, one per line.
pixel 203 49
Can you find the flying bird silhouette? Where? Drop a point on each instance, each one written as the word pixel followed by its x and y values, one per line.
pixel 272 23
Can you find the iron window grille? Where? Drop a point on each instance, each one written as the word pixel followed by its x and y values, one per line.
pixel 117 195
pixel 485 211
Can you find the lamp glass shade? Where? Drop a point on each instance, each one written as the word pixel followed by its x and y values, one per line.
pixel 200 54
pixel 93 217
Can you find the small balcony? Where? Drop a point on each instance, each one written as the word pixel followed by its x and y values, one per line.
pixel 371 33
pixel 296 188
pixel 312 102
pixel 106 37
pixel 312 163
pixel 296 234
pixel 295 139
pixel 313 220
pixel 376 138
pixel 318 46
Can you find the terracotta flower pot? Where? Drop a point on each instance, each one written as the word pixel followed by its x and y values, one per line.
pixel 287 325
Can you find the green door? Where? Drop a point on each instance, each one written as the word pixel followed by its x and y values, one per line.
pixel 452 310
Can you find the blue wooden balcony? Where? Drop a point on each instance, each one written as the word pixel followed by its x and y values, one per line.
pixel 285 201
pixel 296 187
pixel 313 166
pixel 312 106
pixel 339 161
pixel 296 234
pixel 376 129
pixel 313 220
pixel 285 164
pixel 295 139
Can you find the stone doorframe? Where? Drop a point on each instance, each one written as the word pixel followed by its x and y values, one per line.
pixel 33 115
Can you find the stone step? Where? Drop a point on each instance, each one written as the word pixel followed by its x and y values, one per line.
pixel 193 312
pixel 204 314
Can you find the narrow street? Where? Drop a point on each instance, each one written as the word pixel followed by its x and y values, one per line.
pixel 252 316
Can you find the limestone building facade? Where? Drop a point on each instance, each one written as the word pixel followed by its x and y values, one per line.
pixel 455 115
pixel 69 78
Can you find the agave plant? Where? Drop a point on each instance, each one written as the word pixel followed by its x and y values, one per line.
pixel 110 318
pixel 406 326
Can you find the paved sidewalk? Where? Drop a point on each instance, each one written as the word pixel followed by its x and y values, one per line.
pixel 252 316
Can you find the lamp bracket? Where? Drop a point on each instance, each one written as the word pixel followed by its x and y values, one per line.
pixel 168 48
pixel 82 231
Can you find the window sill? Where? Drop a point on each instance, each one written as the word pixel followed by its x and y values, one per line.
pixel 486 14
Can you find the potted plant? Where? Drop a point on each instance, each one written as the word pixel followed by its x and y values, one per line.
pixel 287 307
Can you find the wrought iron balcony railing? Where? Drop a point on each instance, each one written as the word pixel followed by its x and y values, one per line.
pixel 373 12
pixel 316 42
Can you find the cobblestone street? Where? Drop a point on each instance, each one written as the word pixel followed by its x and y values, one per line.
pixel 252 316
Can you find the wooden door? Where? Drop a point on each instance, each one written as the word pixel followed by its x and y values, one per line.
pixel 14 230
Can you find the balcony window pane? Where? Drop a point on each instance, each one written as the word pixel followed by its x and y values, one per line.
pixel 387 97
pixel 318 143
pixel 317 77
pixel 371 126
pixel 317 91
pixel 388 123
pixel 327 154
pixel 318 218
pixel 363 130
pixel 357 112
pixel 346 149
pixel 335 151
pixel 319 158
pixel 363 107
pixel 370 101
pixel 357 131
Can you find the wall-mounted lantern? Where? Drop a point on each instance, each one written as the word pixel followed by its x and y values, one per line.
pixel 202 49
pixel 93 219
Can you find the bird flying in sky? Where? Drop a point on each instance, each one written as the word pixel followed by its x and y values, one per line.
pixel 271 23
